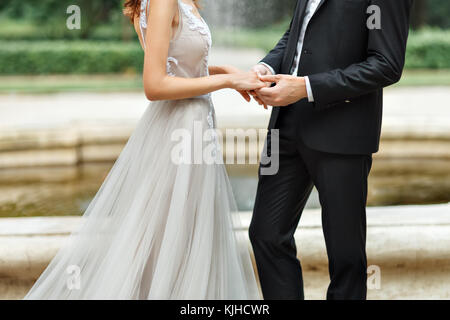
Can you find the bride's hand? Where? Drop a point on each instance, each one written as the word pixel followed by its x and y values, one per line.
pixel 246 81
pixel 227 69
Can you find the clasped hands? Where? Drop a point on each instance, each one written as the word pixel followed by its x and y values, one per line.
pixel 287 89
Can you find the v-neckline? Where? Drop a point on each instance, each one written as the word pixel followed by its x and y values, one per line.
pixel 193 10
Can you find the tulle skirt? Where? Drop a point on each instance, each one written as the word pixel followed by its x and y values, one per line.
pixel 156 229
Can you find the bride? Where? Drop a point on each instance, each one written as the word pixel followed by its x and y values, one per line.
pixel 159 228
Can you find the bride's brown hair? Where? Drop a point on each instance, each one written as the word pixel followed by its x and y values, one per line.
pixel 132 8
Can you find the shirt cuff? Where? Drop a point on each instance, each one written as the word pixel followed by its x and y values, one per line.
pixel 268 67
pixel 309 90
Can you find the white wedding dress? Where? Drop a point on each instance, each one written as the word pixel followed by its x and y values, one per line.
pixel 157 229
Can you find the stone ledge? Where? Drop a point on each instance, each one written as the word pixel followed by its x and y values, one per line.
pixel 409 244
pixel 106 149
pixel 410 236
pixel 395 216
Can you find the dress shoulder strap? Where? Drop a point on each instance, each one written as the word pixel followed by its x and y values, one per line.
pixel 144 13
pixel 143 18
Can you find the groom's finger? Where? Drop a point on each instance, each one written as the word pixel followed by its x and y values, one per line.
pixel 270 78
pixel 268 95
pixel 266 92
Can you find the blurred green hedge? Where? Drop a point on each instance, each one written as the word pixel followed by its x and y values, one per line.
pixel 22 30
pixel 69 57
pixel 428 49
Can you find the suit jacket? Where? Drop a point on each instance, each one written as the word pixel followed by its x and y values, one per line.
pixel 348 66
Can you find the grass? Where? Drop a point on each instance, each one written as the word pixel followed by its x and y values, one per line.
pixel 264 38
pixel 69 83
pixel 427 78
pixel 20 29
pixel 130 83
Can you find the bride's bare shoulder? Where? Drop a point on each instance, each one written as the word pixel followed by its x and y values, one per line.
pixel 172 4
pixel 163 8
pixel 154 8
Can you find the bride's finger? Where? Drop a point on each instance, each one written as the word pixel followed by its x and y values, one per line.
pixel 259 101
pixel 245 95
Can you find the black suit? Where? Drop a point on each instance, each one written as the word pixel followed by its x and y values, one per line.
pixel 328 143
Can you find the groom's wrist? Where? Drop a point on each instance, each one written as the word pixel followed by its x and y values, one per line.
pixel 309 90
pixel 301 86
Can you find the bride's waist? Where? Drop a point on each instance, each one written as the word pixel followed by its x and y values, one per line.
pixel 204 100
pixel 206 97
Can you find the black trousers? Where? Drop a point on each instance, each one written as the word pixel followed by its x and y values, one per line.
pixel 341 181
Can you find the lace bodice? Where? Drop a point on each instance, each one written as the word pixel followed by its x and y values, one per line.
pixel 190 45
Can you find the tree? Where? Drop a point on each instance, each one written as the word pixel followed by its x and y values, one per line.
pixel 51 14
pixel 248 13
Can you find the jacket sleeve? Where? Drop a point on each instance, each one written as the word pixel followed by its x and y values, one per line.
pixel 383 66
pixel 275 57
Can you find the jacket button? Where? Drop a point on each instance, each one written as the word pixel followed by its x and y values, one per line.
pixel 306 51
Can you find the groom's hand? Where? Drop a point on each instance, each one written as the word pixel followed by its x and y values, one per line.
pixel 287 90
pixel 261 70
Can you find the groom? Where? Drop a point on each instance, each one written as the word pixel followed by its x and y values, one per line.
pixel 329 70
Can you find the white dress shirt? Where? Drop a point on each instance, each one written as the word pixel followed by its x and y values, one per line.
pixel 311 8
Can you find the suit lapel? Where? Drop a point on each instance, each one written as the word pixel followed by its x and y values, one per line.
pixel 295 30
pixel 295 33
pixel 292 47
pixel 320 5
pixel 302 8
